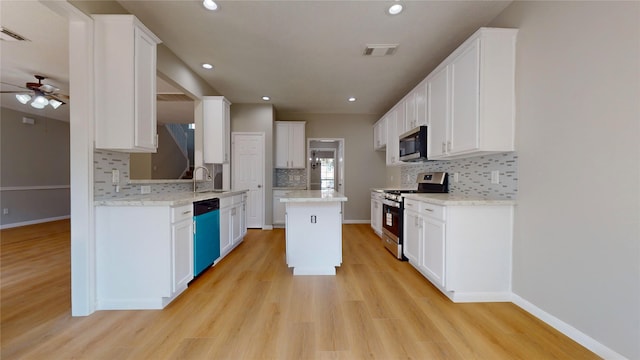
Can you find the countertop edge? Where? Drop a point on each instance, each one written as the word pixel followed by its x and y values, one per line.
pixel 459 200
pixel 299 196
pixel 169 199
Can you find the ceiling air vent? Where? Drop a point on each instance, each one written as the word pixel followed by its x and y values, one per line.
pixel 8 35
pixel 380 50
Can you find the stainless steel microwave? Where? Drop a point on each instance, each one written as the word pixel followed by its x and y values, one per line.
pixel 413 145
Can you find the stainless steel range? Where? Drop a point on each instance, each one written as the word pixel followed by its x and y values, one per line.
pixel 393 207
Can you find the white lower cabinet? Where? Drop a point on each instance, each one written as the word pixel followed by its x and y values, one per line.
pixel 278 207
pixel 376 212
pixel 464 250
pixel 144 255
pixel 232 222
pixel 432 252
pixel 412 233
pixel 182 248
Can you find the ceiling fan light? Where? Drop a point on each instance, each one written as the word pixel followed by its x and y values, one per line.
pixel 55 103
pixel 39 102
pixel 23 98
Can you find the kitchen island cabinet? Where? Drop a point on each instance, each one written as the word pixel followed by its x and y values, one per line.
pixel 460 244
pixel 313 230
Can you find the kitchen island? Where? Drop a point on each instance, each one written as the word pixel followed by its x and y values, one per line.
pixel 313 228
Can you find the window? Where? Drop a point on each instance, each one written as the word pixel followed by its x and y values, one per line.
pixel 327 173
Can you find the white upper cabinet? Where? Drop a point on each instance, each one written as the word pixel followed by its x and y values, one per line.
pixel 290 144
pixel 393 148
pixel 438 111
pixel 468 101
pixel 380 134
pixel 216 129
pixel 401 118
pixel 125 78
pixel 416 107
pixel 479 96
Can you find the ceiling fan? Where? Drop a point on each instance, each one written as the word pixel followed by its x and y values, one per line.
pixel 42 94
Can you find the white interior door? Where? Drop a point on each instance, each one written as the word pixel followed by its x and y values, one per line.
pixel 247 159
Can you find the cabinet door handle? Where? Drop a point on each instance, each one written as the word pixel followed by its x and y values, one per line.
pixel 448 145
pixel 186 212
pixel 430 210
pixel 444 149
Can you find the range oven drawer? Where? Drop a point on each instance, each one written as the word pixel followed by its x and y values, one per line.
pixel 392 245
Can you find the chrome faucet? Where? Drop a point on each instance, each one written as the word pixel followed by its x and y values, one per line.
pixel 194 175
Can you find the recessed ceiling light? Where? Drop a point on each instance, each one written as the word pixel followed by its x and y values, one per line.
pixel 351 99
pixel 207 66
pixel 266 98
pixel 395 9
pixel 210 5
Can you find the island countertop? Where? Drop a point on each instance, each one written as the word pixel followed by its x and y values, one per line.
pixel 313 196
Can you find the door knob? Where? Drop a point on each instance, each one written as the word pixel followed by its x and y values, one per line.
pixel 259 186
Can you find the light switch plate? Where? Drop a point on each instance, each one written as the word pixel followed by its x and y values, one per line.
pixel 495 177
pixel 115 176
pixel 145 189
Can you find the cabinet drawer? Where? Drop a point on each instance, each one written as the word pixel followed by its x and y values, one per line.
pixel 237 199
pixel 181 213
pixel 411 205
pixel 226 201
pixel 433 211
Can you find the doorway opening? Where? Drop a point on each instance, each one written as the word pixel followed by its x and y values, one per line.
pixel 326 164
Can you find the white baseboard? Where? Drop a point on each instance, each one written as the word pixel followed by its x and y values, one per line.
pixel 356 222
pixel 573 333
pixel 267 227
pixel 33 222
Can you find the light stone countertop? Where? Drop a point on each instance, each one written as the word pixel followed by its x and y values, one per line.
pixel 313 196
pixel 289 188
pixel 460 200
pixel 167 199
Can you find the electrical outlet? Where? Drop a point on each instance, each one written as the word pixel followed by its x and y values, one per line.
pixel 145 189
pixel 5 211
pixel 297 177
pixel 115 176
pixel 456 177
pixel 290 177
pixel 495 177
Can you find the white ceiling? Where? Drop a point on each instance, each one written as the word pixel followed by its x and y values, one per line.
pixel 306 55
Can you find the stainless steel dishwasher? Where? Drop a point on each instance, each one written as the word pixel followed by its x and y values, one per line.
pixel 206 238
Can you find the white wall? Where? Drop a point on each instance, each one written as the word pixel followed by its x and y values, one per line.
pixel 577 230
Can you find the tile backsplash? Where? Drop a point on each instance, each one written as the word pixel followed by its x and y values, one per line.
pixel 104 162
pixel 474 175
pixel 289 177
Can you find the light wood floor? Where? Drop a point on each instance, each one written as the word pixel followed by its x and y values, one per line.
pixel 251 307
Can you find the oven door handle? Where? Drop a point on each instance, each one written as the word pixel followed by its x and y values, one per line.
pixel 391 203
